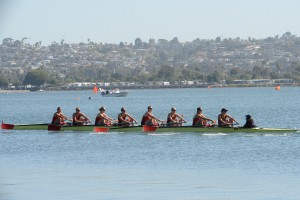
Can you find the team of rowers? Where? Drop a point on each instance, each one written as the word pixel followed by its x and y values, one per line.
pixel 173 119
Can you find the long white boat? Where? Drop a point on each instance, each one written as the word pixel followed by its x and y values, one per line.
pixel 114 93
pixel 119 94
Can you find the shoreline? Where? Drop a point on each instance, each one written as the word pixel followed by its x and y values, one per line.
pixel 14 91
pixel 149 88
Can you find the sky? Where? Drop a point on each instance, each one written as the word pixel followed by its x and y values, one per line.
pixel 115 21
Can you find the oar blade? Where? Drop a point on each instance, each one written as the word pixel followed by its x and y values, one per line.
pixel 101 129
pixel 53 127
pixel 149 128
pixel 7 126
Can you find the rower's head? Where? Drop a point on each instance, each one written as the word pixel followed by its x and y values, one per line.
pixel 199 109
pixel 150 108
pixel 77 109
pixel 248 117
pixel 58 109
pixel 224 110
pixel 102 109
pixel 173 109
pixel 123 109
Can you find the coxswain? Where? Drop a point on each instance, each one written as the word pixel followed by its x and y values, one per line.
pixel 249 122
pixel 149 119
pixel 102 119
pixel 124 119
pixel 59 118
pixel 200 119
pixel 79 118
pixel 174 119
pixel 225 120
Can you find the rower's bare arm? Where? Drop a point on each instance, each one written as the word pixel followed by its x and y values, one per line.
pixel 86 118
pixel 236 121
pixel 152 116
pixel 132 118
pixel 171 119
pixel 233 119
pixel 221 120
pixel 180 117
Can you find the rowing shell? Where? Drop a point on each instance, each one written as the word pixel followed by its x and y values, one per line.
pixel 142 128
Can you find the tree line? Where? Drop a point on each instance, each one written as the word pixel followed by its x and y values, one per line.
pixel 39 77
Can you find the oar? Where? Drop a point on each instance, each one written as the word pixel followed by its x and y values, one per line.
pixel 175 123
pixel 147 128
pixel 101 129
pixel 53 127
pixel 7 126
pixel 232 124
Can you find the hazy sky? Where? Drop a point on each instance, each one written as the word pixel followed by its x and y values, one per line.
pixel 113 21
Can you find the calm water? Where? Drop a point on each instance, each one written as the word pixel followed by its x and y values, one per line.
pixel 42 165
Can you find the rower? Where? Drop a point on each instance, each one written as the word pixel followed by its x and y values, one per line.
pixel 124 119
pixel 59 118
pixel 102 119
pixel 149 119
pixel 200 119
pixel 79 118
pixel 225 120
pixel 249 122
pixel 174 119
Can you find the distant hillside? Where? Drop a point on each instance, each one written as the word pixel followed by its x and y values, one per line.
pixel 162 60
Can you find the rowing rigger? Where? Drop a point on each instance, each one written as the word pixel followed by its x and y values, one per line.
pixel 145 128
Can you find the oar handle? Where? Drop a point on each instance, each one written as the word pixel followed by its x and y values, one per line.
pixel 176 123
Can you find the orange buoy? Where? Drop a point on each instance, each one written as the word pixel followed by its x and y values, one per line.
pixel 277 87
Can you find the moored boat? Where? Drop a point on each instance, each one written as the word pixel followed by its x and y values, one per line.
pixel 182 129
pixel 114 93
pixel 120 94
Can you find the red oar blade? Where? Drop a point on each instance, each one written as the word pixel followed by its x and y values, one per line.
pixel 52 127
pixel 7 126
pixel 149 128
pixel 101 129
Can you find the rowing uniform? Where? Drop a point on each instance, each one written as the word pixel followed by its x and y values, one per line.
pixel 224 118
pixel 122 118
pixel 57 119
pixel 100 120
pixel 249 124
pixel 196 119
pixel 145 118
pixel 173 117
pixel 76 118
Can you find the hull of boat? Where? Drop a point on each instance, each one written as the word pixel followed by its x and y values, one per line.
pixel 182 129
pixel 121 94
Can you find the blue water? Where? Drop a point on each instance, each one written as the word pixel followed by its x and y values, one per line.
pixel 71 165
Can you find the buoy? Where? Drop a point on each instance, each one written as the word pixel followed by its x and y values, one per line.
pixel 277 87
pixel 77 98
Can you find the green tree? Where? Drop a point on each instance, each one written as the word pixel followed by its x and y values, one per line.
pixel 234 71
pixel 138 43
pixel 152 42
pixel 3 81
pixel 166 72
pixel 214 77
pixel 121 45
pixel 36 77
pixel 163 55
pixel 174 41
pixel 260 72
pixel 218 39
